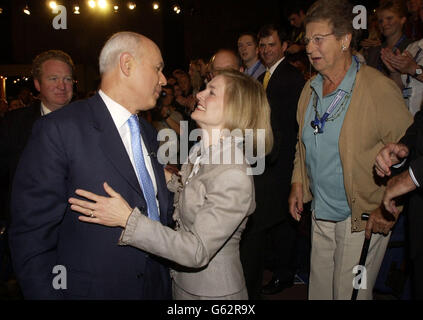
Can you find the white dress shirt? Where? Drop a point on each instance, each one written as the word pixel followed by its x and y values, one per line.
pixel 273 68
pixel 415 101
pixel 44 109
pixel 120 116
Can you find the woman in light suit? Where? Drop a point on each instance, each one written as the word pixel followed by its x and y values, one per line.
pixel 213 196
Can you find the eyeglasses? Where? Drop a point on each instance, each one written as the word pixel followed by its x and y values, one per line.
pixel 317 39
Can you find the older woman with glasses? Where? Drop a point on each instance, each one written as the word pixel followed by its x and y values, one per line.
pixel 345 115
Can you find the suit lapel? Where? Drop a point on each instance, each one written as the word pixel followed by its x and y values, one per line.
pixel 111 143
pixel 275 75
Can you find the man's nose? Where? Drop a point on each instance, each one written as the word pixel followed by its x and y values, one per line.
pixel 60 84
pixel 162 80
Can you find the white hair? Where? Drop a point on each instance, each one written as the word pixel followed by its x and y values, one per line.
pixel 117 44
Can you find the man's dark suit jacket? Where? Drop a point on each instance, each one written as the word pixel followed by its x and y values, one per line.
pixel 273 186
pixel 413 139
pixel 79 146
pixel 15 130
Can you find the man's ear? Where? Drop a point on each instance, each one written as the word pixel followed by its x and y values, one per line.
pixel 37 85
pixel 126 63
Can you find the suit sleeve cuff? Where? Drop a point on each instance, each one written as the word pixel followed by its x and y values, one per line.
pixel 399 165
pixel 131 225
pixel 410 171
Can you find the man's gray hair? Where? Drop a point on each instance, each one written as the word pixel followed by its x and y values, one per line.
pixel 117 44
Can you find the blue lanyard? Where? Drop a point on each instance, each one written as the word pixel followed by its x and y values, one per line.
pixel 398 43
pixel 319 124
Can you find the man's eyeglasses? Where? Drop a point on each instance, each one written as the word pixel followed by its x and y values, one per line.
pixel 317 39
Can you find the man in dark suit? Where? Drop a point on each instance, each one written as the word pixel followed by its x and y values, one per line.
pixel 83 145
pixel 408 181
pixel 52 71
pixel 283 84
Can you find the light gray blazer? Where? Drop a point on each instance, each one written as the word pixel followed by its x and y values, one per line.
pixel 211 209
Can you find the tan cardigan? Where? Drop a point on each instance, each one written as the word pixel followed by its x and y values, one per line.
pixel 376 116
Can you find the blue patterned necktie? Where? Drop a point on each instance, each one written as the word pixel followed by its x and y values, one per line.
pixel 144 177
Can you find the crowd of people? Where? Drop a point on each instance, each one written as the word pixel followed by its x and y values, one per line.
pixel 84 187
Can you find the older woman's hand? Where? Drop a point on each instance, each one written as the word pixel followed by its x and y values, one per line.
pixel 112 212
pixel 295 201
pixel 380 221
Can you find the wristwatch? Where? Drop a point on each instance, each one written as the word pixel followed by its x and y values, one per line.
pixel 419 71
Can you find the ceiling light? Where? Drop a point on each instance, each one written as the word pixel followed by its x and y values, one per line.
pixel 92 4
pixel 52 4
pixel 177 9
pixel 76 10
pixel 102 4
pixel 116 8
pixel 131 5
pixel 26 10
pixel 156 6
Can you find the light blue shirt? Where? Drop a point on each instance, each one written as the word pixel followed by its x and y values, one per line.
pixel 323 162
pixel 256 70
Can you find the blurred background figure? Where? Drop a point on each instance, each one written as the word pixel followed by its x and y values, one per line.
pixel 15 103
pixel 197 72
pixel 406 70
pixel 414 24
pixel 249 53
pixel 296 16
pixel 3 107
pixel 392 16
pixel 373 38
pixel 26 97
pixel 168 119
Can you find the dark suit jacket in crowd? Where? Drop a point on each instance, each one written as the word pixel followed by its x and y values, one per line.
pixel 413 139
pixel 15 130
pixel 79 146
pixel 273 186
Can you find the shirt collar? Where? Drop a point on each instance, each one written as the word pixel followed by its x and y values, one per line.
pixel 120 114
pixel 250 69
pixel 273 68
pixel 44 109
pixel 346 84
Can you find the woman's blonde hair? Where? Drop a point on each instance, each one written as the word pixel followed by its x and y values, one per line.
pixel 246 106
